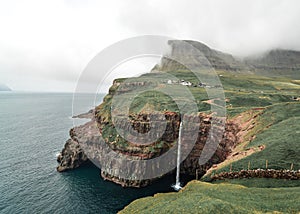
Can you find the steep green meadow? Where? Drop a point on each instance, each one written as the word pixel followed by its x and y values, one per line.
pixel 202 197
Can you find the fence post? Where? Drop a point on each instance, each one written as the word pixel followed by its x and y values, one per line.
pixel 292 166
pixel 230 167
pixel 248 165
pixel 266 164
pixel 196 174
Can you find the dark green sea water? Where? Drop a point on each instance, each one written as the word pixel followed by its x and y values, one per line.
pixel 33 129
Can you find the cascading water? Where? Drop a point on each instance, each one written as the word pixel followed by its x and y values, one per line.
pixel 177 184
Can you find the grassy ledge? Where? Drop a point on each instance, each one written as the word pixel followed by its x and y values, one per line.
pixel 202 197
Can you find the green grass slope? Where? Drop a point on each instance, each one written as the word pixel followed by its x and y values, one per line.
pixel 201 197
pixel 281 140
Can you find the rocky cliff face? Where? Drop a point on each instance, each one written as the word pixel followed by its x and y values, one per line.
pixel 190 164
pixel 71 157
pixel 84 138
pixel 185 51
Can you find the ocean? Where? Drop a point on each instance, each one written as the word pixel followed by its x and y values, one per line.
pixel 33 129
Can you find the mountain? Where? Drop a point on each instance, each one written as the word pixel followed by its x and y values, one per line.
pixel 4 88
pixel 185 51
pixel 276 62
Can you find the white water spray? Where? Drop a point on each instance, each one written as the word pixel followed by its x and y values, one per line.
pixel 177 184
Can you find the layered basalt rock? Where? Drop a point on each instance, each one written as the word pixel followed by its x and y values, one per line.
pixel 125 182
pixel 228 142
pixel 140 123
pixel 71 157
pixel 85 138
pixel 77 149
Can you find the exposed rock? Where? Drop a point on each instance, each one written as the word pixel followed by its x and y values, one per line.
pixel 87 115
pixel 124 182
pixel 86 138
pixel 71 157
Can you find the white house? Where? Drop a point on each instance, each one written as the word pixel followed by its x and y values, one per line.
pixel 186 83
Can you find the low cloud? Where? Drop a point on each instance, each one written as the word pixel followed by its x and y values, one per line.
pixel 54 40
pixel 239 27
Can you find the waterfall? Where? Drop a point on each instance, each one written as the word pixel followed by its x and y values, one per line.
pixel 177 184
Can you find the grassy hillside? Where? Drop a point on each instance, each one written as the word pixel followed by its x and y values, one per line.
pixel 243 91
pixel 201 197
pixel 266 94
pixel 276 129
pixel 279 133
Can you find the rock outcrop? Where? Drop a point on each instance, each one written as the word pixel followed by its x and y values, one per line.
pixel 71 157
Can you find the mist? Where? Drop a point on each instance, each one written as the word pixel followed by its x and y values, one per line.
pixel 44 46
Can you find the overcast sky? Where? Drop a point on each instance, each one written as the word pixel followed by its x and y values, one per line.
pixel 45 45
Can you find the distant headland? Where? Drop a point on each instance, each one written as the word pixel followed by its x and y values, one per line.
pixel 4 87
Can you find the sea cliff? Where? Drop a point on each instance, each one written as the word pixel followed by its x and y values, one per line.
pixel 244 92
pixel 86 137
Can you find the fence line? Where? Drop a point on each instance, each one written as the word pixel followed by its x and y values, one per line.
pixel 258 173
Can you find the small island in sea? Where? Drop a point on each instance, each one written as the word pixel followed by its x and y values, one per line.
pixel 255 167
pixel 4 87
